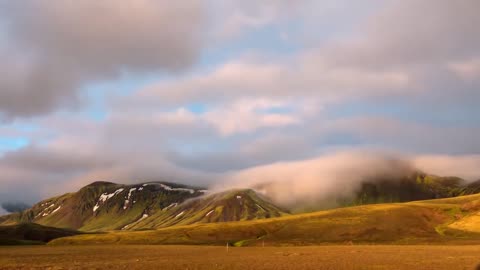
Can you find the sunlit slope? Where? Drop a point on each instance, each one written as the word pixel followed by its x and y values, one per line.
pixel 233 205
pixel 413 222
pixel 467 217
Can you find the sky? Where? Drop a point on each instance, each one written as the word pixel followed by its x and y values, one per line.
pixel 199 91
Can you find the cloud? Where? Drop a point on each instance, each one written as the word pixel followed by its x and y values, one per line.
pixel 254 78
pixel 421 51
pixel 329 176
pixel 468 69
pixel 465 166
pixel 51 49
pixel 79 152
pixel 13 207
pixel 34 173
pixel 409 33
pixel 314 180
pixel 410 136
pixel 240 116
pixel 244 116
pixel 235 18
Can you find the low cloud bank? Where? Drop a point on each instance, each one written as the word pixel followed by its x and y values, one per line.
pixel 465 166
pixel 303 183
pixel 13 207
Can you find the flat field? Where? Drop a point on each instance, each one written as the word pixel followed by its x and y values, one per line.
pixel 215 257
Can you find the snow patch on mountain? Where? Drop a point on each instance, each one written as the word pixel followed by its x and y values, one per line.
pixel 58 208
pixel 45 212
pixel 170 206
pixel 208 214
pixel 144 216
pixel 127 201
pixel 177 189
pixel 261 207
pixel 105 197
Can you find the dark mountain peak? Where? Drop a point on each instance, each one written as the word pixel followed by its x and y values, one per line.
pixel 100 183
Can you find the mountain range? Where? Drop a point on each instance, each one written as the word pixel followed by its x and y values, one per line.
pixel 106 206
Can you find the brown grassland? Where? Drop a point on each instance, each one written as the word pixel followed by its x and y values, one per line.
pixel 216 257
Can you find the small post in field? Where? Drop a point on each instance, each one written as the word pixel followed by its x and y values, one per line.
pixel 227 246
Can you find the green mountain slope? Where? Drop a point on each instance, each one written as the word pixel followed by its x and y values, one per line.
pixel 418 186
pixel 234 205
pixel 104 206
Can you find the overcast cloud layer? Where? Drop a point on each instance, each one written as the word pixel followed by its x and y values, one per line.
pixel 237 92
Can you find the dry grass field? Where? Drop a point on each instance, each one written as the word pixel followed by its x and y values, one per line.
pixel 210 257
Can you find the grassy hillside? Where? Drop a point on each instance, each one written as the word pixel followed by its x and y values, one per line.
pixel 31 233
pixel 440 220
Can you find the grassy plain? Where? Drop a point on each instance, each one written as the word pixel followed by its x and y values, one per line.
pixel 216 257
